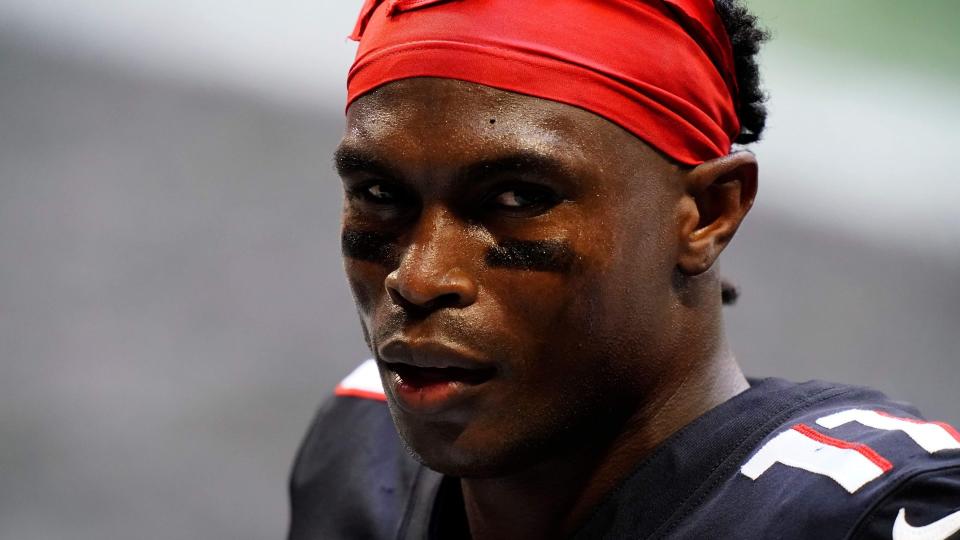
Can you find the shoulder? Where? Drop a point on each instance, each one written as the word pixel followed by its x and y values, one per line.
pixel 351 476
pixel 924 506
pixel 352 423
pixel 848 466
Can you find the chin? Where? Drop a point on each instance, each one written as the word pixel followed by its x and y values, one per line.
pixel 459 466
pixel 470 464
pixel 443 450
pixel 472 453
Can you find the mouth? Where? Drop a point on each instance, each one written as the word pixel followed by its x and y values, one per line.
pixel 418 378
pixel 431 378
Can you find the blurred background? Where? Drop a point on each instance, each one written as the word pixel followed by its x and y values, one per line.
pixel 172 307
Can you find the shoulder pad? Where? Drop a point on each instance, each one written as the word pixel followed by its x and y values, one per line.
pixel 363 382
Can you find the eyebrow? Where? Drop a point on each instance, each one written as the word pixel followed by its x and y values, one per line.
pixel 523 162
pixel 349 160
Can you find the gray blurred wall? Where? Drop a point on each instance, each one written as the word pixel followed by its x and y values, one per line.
pixel 172 306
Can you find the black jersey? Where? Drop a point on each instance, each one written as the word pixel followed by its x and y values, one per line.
pixel 779 461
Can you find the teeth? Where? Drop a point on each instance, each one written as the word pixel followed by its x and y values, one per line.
pixel 418 376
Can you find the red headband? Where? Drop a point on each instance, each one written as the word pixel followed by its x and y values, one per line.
pixel 661 69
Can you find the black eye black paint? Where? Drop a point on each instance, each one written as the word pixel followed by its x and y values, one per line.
pixel 370 246
pixel 536 255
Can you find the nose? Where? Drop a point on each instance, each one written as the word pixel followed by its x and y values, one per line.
pixel 435 269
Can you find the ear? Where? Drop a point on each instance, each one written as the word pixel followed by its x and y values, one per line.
pixel 719 194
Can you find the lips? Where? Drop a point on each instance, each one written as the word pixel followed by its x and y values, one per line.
pixel 430 377
pixel 422 377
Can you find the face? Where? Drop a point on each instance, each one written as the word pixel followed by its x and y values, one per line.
pixel 514 263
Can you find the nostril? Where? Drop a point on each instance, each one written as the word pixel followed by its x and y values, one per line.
pixel 414 303
pixel 414 311
pixel 399 299
pixel 449 300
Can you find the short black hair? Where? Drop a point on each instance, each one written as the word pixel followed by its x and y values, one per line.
pixel 746 36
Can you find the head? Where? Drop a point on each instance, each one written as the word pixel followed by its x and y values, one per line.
pixel 529 274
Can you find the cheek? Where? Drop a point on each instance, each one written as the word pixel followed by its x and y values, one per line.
pixel 541 312
pixel 367 257
pixel 532 301
pixel 625 300
pixel 367 283
pixel 580 316
pixel 370 246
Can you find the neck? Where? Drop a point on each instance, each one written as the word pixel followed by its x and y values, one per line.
pixel 555 496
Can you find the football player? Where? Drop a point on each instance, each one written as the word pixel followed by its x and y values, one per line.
pixel 536 195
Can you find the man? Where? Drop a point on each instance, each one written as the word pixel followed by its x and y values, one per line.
pixel 536 194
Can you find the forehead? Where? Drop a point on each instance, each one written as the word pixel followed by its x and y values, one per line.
pixel 432 119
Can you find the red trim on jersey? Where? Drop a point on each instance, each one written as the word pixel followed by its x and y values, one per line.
pixel 946 427
pixel 863 449
pixel 343 391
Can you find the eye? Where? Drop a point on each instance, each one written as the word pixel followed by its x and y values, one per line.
pixel 380 193
pixel 525 198
pixel 379 199
pixel 513 199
